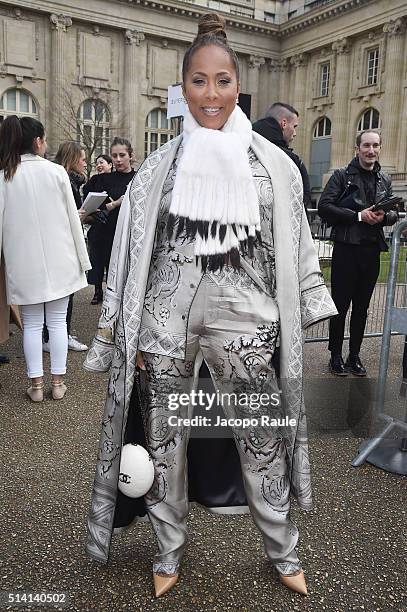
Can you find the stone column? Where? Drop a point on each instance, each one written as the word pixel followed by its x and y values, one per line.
pixel 58 92
pixel 273 89
pixel 253 83
pixel 339 155
pixel 284 80
pixel 392 112
pixel 132 74
pixel 298 100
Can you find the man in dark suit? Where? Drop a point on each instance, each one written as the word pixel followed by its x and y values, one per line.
pixel 279 127
pixel 346 204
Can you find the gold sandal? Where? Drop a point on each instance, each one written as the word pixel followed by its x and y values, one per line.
pixel 36 392
pixel 58 390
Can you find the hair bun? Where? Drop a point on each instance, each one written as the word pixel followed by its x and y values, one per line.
pixel 211 23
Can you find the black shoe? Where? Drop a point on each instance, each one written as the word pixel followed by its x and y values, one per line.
pixel 355 366
pixel 4 359
pixel 97 298
pixel 336 366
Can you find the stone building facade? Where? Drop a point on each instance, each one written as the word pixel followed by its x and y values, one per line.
pixel 101 68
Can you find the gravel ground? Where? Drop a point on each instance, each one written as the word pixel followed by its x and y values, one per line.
pixel 352 544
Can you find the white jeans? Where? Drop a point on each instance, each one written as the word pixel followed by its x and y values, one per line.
pixel 33 322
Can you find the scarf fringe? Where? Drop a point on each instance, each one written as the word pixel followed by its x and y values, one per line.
pixel 215 245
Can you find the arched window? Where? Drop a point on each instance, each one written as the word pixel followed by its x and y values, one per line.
pixel 18 102
pixel 322 128
pixel 93 127
pixel 320 152
pixel 370 120
pixel 159 130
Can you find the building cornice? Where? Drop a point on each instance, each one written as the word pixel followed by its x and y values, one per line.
pixel 317 15
pixel 307 20
pixel 191 10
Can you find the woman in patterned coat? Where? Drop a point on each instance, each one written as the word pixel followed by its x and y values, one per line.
pixel 212 259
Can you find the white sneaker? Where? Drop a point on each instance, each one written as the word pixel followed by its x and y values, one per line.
pixel 45 347
pixel 75 345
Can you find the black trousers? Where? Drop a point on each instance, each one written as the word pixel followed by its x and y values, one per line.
pixel 100 248
pixel 355 269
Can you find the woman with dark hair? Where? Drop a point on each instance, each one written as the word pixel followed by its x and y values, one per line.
pixel 72 157
pixel 213 259
pixel 104 164
pixel 103 223
pixel 44 249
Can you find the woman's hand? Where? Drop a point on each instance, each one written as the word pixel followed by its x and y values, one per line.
pixel 114 203
pixel 82 214
pixel 85 218
pixel 140 361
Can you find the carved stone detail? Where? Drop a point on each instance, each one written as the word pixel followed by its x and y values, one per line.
pixel 395 27
pixel 60 22
pixel 133 37
pixel 299 60
pixel 255 61
pixel 273 64
pixel 285 64
pixel 342 46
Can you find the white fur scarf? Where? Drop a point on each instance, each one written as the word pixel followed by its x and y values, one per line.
pixel 214 196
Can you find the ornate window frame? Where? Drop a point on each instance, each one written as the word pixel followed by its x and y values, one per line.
pixel 32 104
pixel 364 88
pixel 326 124
pixel 372 110
pixel 94 125
pixel 372 65
pixel 324 79
pixel 159 134
pixel 325 57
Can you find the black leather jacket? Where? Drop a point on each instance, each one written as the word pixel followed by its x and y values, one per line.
pixel 269 128
pixel 344 221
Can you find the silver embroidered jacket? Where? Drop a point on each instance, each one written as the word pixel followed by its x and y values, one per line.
pixel 301 296
pixel 174 278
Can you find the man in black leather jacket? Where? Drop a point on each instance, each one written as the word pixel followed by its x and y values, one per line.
pixel 346 204
pixel 279 127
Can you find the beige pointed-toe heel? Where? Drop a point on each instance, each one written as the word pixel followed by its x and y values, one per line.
pixel 295 582
pixel 164 583
pixel 58 390
pixel 36 392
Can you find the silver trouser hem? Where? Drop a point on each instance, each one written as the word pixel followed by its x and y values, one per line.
pixel 166 568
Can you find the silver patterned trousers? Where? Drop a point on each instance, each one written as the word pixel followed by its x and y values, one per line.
pixel 236 327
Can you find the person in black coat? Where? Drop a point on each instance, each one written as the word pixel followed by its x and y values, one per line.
pixel 346 204
pixel 279 127
pixel 103 223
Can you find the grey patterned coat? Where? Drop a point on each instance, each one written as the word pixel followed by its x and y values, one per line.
pixel 301 295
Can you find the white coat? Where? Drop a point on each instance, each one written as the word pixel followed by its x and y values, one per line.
pixel 40 233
